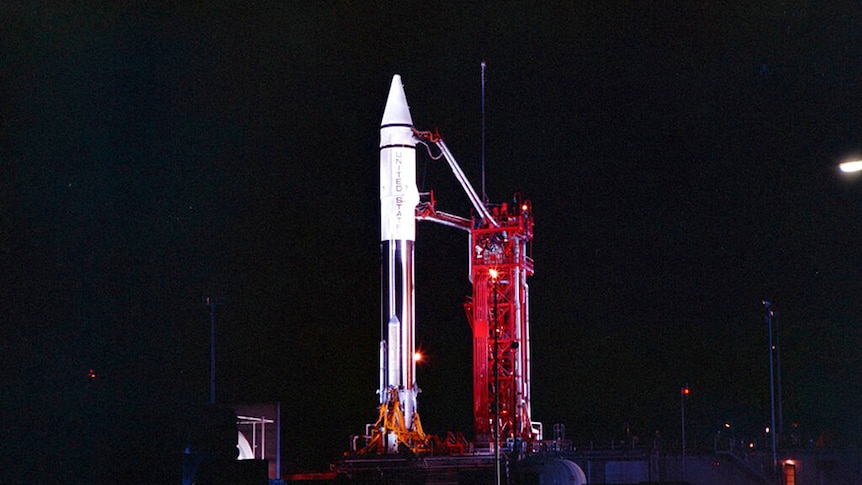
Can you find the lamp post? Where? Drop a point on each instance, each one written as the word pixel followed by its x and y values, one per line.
pixel 770 313
pixel 683 392
pixel 494 275
pixel 212 302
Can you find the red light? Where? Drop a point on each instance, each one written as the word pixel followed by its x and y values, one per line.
pixel 91 374
pixel 686 391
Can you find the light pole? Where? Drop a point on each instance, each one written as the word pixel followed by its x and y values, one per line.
pixel 770 313
pixel 683 392
pixel 212 302
pixel 493 273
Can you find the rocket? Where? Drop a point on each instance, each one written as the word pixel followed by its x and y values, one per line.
pixel 398 199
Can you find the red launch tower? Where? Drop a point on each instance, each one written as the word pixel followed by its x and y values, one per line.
pixel 498 310
pixel 498 313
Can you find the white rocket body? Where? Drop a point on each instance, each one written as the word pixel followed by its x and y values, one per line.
pixel 398 199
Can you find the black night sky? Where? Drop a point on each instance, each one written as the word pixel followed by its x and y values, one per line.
pixel 680 156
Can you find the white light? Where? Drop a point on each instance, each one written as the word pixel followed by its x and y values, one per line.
pixel 849 167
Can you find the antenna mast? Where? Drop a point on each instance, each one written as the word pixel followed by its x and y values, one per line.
pixel 484 194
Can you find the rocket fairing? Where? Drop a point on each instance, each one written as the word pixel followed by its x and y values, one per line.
pixel 398 199
pixel 398 192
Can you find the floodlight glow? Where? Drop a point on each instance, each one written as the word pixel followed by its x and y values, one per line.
pixel 849 167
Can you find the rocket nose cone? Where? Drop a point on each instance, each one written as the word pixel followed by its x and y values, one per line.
pixel 396 111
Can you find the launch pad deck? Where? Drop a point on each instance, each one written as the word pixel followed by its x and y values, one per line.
pixel 388 469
